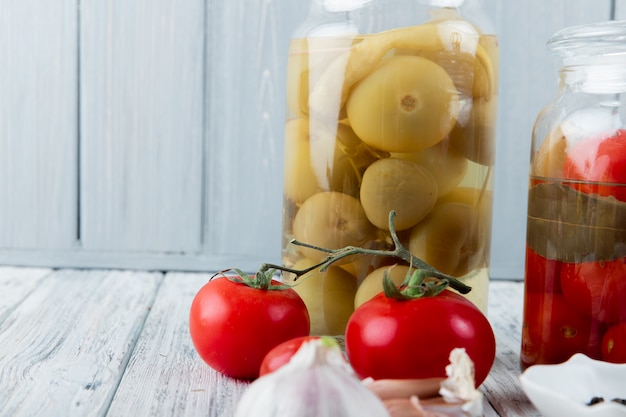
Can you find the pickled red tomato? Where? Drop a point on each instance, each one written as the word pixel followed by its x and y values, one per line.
pixel 328 296
pixel 601 161
pixel 451 239
pixel 447 166
pixel 614 344
pixel 596 289
pixel 331 220
pixel 406 104
pixel 542 274
pixel 553 330
pixel 400 185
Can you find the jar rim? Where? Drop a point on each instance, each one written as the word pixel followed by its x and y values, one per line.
pixel 603 38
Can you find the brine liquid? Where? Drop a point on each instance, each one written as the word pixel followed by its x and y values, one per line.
pixel 575 270
pixel 342 178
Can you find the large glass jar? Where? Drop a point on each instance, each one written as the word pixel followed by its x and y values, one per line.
pixel 575 275
pixel 391 105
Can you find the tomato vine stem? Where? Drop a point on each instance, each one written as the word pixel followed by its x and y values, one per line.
pixel 399 252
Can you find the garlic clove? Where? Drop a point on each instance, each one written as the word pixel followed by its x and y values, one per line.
pixel 455 396
pixel 387 389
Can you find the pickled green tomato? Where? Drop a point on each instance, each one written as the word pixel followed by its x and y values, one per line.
pixel 451 239
pixel 373 282
pixel 309 59
pixel 300 182
pixel 328 296
pixel 315 162
pixel 474 136
pixel 331 220
pixel 298 78
pixel 400 185
pixel 445 164
pixel 408 103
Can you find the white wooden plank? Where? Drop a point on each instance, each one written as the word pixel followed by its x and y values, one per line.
pixel 502 386
pixel 16 284
pixel 38 123
pixel 528 81
pixel 620 9
pixel 62 351
pixel 129 260
pixel 165 376
pixel 246 96
pixel 142 81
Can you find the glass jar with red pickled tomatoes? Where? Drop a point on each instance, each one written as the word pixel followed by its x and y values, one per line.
pixel 575 274
pixel 391 105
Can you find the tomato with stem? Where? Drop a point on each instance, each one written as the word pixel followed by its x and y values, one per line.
pixel 235 321
pixel 409 332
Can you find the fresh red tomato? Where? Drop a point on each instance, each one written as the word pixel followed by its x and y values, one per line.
pixel 389 338
pixel 601 161
pixel 597 289
pixel 282 354
pixel 614 344
pixel 234 325
pixel 542 274
pixel 553 330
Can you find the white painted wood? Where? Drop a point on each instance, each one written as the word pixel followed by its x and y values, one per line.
pixel 620 9
pixel 502 386
pixel 83 343
pixel 132 260
pixel 165 376
pixel 142 81
pixel 247 61
pixel 16 284
pixel 64 348
pixel 528 81
pixel 181 125
pixel 38 123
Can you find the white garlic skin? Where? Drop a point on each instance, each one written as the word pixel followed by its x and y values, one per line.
pixel 317 382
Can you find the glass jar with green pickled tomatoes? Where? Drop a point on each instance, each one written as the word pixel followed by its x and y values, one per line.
pixel 391 105
pixel 575 275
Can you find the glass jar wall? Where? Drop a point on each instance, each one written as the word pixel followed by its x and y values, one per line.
pixel 391 105
pixel 575 275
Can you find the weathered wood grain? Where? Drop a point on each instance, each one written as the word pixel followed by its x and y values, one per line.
pixel 116 343
pixel 502 386
pixel 246 89
pixel 38 124
pixel 619 9
pixel 131 130
pixel 165 376
pixel 528 82
pixel 142 104
pixel 16 284
pixel 64 348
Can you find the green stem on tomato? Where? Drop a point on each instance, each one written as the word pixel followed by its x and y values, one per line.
pixel 399 251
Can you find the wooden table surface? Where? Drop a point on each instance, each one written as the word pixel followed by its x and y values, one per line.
pixel 116 343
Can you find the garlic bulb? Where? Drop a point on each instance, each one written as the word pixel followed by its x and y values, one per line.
pixel 317 382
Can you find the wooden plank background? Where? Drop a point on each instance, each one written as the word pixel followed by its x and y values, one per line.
pixel 148 134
